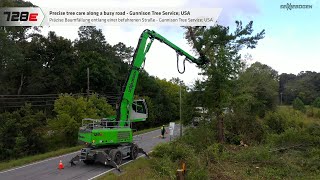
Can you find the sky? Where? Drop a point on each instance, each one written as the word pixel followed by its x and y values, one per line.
pixel 291 43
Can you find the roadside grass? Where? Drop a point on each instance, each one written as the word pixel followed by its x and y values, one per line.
pixel 151 129
pixel 275 158
pixel 312 114
pixel 35 158
pixel 138 169
pixel 239 166
pixel 30 159
pixel 288 165
pixel 269 160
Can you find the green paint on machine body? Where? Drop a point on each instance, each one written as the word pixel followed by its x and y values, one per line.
pixel 106 136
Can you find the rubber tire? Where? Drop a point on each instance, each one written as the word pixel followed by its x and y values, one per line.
pixel 134 151
pixel 88 162
pixel 116 156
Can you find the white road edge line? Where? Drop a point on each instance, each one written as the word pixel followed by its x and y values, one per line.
pixel 55 158
pixel 115 168
pixel 37 162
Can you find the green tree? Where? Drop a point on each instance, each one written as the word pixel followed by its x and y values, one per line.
pixel 298 105
pixel 147 85
pixel 222 49
pixel 11 58
pixel 91 39
pixel 192 98
pixel 166 101
pixel 21 133
pixel 261 83
pixel 305 85
pixel 316 102
pixel 44 65
pixel 276 122
pixel 284 79
pixel 52 63
pixel 105 62
pixel 124 52
pixel 103 77
pixel 255 93
pixel 70 112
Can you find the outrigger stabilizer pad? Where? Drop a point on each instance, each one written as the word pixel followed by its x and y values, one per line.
pixel 76 158
pixel 143 152
pixel 112 163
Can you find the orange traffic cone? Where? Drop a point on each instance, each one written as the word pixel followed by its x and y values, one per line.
pixel 61 166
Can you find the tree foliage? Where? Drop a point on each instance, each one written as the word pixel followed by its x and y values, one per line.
pixel 221 47
pixel 21 133
pixel 298 105
pixel 260 84
pixel 304 85
pixel 70 112
pixel 254 95
pixel 316 102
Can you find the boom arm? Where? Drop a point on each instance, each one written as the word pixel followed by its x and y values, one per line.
pixel 142 49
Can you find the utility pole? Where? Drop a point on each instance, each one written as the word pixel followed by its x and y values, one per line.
pixel 281 98
pixel 88 82
pixel 180 113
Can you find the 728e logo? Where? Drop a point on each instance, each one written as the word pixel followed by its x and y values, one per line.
pixel 21 16
pixel 28 16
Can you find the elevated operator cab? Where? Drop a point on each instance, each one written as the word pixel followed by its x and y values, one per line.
pixel 139 111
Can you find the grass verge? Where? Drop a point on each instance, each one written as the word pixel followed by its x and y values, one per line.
pixel 39 157
pixel 138 169
pixel 30 159
pixel 145 130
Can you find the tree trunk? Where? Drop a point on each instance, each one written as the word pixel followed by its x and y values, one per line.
pixel 21 84
pixel 220 129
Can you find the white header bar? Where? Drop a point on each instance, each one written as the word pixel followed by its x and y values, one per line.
pixel 124 16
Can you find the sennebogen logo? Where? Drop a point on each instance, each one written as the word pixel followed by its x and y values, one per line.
pixel 290 6
pixel 26 16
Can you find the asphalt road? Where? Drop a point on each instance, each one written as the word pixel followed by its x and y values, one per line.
pixel 48 169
